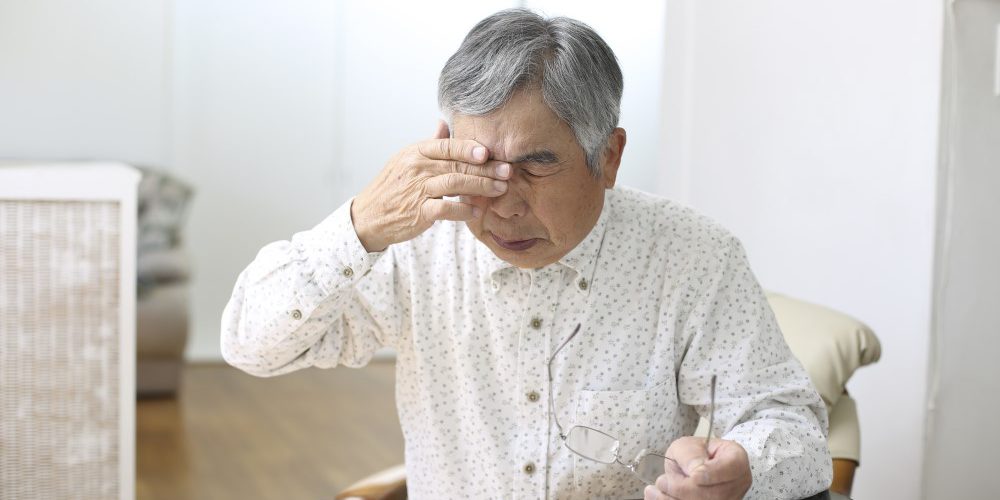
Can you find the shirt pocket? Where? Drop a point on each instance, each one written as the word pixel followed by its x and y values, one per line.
pixel 639 419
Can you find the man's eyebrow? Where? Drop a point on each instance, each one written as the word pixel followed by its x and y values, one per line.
pixel 540 156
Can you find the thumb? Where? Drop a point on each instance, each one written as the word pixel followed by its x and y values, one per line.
pixel 442 131
pixel 689 453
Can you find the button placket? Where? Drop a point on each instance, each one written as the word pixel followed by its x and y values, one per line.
pixel 532 377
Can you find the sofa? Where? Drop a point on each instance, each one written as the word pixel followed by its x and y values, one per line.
pixel 163 269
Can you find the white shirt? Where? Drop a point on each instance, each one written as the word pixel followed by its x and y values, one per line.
pixel 665 297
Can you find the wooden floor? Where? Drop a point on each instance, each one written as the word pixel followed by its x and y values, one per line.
pixel 304 435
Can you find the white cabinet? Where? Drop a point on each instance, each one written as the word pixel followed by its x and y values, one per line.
pixel 67 331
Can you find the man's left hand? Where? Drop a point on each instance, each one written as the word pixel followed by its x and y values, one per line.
pixel 722 473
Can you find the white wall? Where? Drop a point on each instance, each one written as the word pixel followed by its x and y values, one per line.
pixel 276 112
pixel 810 130
pixel 83 80
pixel 965 376
pixel 254 90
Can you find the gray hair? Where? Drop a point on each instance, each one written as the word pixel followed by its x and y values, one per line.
pixel 515 48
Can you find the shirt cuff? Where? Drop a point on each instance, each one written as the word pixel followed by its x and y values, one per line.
pixel 346 260
pixel 781 466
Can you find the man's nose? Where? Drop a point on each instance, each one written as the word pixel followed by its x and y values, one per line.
pixel 511 203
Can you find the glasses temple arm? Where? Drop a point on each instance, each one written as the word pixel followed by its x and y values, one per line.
pixel 552 405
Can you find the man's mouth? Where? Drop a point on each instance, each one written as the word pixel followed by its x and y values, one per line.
pixel 515 245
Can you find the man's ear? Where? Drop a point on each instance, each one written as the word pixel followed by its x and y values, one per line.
pixel 613 157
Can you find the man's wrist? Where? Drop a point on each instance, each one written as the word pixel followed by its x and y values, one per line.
pixel 366 235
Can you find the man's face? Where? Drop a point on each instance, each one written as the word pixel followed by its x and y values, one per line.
pixel 552 201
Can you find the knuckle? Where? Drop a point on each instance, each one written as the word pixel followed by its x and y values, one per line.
pixel 420 150
pixel 429 210
pixel 453 182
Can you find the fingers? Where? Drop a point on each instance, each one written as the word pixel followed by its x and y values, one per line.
pixel 724 472
pixel 453 149
pixel 687 489
pixel 673 481
pixel 442 131
pixel 435 209
pixel 729 461
pixel 494 169
pixel 653 493
pixel 456 184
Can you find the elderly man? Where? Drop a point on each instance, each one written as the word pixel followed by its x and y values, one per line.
pixel 555 335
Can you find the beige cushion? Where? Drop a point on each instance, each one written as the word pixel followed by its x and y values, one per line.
pixel 829 344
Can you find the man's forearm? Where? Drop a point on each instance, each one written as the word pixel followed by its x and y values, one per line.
pixel 288 300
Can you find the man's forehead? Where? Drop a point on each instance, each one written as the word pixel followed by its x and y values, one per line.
pixel 503 140
pixel 507 141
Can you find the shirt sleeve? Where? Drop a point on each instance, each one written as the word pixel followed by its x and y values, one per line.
pixel 764 399
pixel 297 304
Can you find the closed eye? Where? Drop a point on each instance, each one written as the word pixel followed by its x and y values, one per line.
pixel 539 162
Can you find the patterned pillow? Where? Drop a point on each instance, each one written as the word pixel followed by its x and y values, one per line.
pixel 163 202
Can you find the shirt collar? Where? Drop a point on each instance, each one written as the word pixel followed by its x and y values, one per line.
pixel 582 259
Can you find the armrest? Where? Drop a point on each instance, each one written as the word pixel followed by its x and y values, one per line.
pixel 389 484
pixel 845 431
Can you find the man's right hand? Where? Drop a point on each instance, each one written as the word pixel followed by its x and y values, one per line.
pixel 405 199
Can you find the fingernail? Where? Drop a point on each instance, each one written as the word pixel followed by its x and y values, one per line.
pixel 479 153
pixel 476 212
pixel 503 170
pixel 499 186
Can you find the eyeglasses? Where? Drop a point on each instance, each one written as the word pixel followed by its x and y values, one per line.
pixel 602 447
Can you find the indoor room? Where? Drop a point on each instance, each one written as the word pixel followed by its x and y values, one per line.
pixel 500 249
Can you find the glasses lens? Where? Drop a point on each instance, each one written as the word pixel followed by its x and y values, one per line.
pixel 649 466
pixel 592 444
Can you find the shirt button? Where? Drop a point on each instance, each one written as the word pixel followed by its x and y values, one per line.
pixel 533 396
pixel 296 314
pixel 536 323
pixel 582 284
pixel 529 468
pixel 348 272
